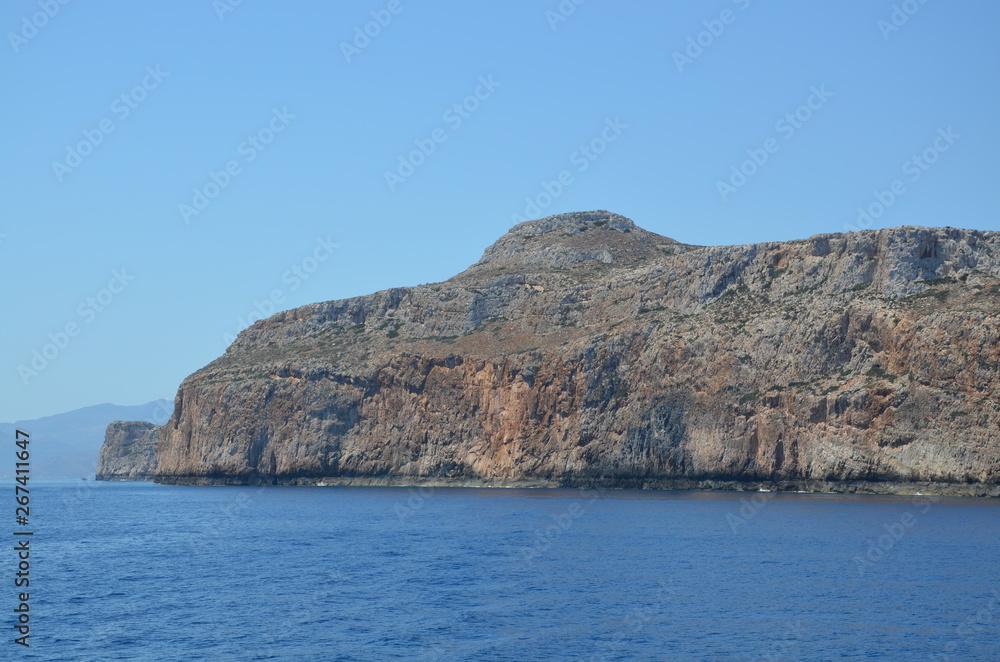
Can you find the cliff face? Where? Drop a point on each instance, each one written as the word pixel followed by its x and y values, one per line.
pixel 129 452
pixel 583 350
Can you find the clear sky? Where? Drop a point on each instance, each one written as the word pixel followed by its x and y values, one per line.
pixel 169 165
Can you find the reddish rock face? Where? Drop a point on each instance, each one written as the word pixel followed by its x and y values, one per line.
pixel 583 350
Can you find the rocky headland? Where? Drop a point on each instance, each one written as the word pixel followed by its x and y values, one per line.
pixel 129 451
pixel 582 350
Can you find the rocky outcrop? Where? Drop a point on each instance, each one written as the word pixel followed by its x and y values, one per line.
pixel 582 350
pixel 129 452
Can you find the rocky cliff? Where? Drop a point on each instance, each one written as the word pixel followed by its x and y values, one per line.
pixel 582 350
pixel 129 452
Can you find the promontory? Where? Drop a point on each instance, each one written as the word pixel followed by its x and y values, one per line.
pixel 584 351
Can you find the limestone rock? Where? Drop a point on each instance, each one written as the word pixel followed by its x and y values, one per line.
pixel 584 350
pixel 129 452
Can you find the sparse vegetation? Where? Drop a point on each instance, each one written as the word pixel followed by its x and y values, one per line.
pixel 879 372
pixel 940 295
pixel 812 288
pixel 731 294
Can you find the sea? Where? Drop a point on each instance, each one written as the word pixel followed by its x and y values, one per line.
pixel 138 571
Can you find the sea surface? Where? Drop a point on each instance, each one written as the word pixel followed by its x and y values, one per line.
pixel 136 571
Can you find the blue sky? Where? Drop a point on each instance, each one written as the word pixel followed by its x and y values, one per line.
pixel 171 166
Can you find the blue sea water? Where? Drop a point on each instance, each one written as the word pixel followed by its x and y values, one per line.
pixel 136 571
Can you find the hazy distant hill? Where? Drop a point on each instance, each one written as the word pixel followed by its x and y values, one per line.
pixel 66 445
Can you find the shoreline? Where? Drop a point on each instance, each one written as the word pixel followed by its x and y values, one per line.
pixel 807 486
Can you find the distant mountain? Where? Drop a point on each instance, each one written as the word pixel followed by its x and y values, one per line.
pixel 66 445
